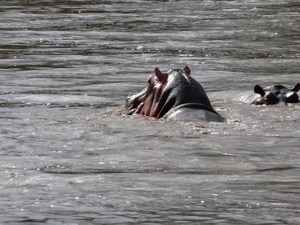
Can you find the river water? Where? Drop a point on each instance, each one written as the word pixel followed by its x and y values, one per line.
pixel 69 153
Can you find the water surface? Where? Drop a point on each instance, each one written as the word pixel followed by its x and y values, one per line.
pixel 70 154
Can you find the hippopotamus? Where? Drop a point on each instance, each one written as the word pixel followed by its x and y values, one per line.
pixel 275 94
pixel 173 95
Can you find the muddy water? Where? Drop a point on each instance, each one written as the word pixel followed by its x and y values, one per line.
pixel 70 155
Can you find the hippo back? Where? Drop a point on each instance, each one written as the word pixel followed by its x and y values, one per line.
pixel 181 90
pixel 193 112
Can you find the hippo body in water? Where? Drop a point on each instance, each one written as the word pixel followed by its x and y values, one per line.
pixel 173 95
pixel 275 94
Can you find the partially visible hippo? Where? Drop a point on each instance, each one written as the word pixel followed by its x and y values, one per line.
pixel 275 94
pixel 173 95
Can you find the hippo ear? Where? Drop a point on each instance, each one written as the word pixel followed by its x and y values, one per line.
pixel 162 77
pixel 296 88
pixel 259 90
pixel 187 70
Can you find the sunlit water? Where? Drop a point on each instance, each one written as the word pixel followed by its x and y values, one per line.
pixel 70 154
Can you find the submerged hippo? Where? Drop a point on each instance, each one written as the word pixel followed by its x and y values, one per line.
pixel 173 95
pixel 275 94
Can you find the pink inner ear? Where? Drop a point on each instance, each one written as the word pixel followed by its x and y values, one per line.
pixel 187 70
pixel 162 77
pixel 259 90
pixel 296 88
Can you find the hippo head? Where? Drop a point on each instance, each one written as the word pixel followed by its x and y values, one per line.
pixel 165 91
pixel 275 94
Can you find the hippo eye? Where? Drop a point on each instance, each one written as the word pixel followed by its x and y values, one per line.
pixel 149 81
